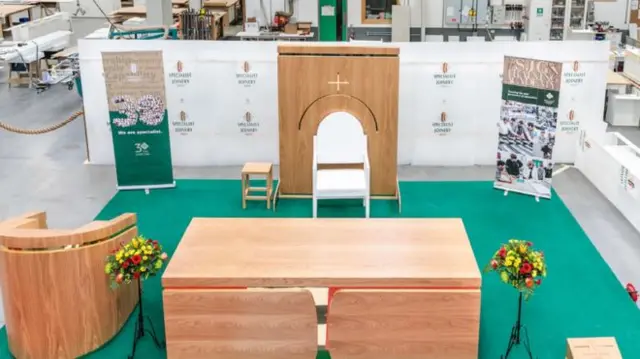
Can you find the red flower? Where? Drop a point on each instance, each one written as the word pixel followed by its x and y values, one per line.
pixel 136 275
pixel 529 244
pixel 125 264
pixel 502 252
pixel 633 293
pixel 494 264
pixel 538 281
pixel 119 278
pixel 526 268
pixel 136 259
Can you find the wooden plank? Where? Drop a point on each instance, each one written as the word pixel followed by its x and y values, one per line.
pixel 240 324
pixel 407 324
pixel 290 252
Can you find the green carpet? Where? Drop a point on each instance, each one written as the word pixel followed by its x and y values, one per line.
pixel 580 298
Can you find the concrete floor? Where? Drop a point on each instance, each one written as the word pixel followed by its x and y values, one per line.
pixel 46 172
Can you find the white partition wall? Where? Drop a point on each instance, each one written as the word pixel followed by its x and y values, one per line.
pixel 612 164
pixel 222 98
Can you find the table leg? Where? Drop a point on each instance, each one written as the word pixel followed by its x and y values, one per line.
pixel 244 191
pixel 269 185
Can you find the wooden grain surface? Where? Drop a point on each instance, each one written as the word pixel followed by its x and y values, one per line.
pixel 240 324
pixel 351 49
pixel 307 97
pixel 288 252
pixel 12 9
pixel 57 302
pixel 407 324
pixel 42 238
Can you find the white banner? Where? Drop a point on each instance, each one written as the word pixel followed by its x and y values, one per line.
pixel 527 126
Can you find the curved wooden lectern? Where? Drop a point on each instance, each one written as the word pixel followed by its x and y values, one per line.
pixel 57 299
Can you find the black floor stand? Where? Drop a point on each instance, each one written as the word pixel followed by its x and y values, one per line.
pixel 140 330
pixel 515 339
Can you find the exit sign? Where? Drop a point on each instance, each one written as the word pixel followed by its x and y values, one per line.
pixel 539 11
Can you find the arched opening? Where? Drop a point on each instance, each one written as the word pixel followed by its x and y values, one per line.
pixel 340 138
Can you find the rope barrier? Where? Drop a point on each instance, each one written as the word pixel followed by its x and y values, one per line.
pixel 42 130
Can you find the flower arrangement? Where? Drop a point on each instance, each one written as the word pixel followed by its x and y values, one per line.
pixel 139 259
pixel 519 265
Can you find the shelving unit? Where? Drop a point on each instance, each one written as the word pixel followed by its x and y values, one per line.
pixel 558 19
pixel 570 14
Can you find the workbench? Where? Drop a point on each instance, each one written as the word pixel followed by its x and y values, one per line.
pixel 126 13
pixel 277 36
pixel 7 11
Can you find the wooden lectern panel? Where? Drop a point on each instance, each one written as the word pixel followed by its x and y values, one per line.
pixel 56 296
pixel 407 324
pixel 317 80
pixel 240 324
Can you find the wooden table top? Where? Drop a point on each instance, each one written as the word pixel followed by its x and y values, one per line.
pixel 219 3
pixel 141 11
pixel 289 252
pixel 65 53
pixel 614 78
pixel 11 9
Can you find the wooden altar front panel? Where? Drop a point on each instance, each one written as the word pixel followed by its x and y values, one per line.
pixel 315 80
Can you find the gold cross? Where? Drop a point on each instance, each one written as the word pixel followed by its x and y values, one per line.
pixel 337 82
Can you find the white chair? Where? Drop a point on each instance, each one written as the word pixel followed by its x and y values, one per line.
pixel 340 141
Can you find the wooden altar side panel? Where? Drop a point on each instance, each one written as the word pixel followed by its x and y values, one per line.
pixel 57 299
pixel 240 324
pixel 368 90
pixel 407 324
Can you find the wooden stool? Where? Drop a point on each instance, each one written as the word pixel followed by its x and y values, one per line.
pixel 256 169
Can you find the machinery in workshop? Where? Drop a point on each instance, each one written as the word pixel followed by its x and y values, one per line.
pixel 282 18
pixel 31 42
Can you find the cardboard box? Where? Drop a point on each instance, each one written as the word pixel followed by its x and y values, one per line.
pixel 593 348
pixel 304 27
pixel 291 28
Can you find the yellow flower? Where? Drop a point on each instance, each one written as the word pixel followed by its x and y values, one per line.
pixel 119 255
pixel 516 263
pixel 135 243
pixel 508 262
pixel 108 268
pixel 534 273
pixel 138 252
pixel 523 248
pixel 120 261
pixel 158 264
pixel 504 276
pixel 144 258
pixel 143 269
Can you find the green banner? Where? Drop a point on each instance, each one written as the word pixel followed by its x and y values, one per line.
pixel 138 119
pixel 530 95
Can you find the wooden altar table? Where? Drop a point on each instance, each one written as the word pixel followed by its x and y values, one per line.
pixel 399 288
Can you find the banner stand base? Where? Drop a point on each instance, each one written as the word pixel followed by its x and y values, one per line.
pixel 506 192
pixel 147 189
